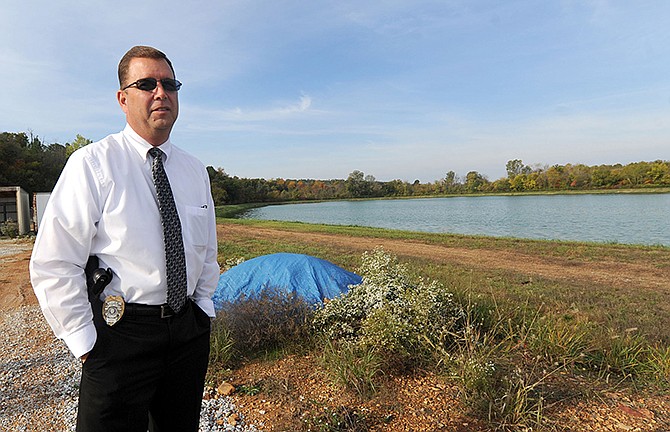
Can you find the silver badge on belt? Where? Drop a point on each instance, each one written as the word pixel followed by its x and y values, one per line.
pixel 112 309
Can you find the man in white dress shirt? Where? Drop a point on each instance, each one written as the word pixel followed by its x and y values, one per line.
pixel 144 363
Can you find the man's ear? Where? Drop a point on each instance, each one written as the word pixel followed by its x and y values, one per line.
pixel 121 97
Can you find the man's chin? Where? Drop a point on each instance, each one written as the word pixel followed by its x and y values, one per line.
pixel 163 124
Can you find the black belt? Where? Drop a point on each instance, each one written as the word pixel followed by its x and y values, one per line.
pixel 162 311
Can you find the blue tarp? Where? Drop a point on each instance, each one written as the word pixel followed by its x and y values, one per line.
pixel 309 277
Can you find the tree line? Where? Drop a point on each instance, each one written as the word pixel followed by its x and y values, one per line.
pixel 27 162
pixel 520 178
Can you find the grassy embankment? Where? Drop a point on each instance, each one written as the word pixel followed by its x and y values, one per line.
pixel 610 328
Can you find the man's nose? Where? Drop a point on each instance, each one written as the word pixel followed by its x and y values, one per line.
pixel 159 91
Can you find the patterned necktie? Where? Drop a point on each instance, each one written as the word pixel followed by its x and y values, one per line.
pixel 174 247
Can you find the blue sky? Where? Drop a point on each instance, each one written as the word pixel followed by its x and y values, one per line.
pixel 317 89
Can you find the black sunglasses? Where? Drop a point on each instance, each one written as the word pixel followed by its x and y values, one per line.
pixel 149 84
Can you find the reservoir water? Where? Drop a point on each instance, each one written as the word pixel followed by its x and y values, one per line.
pixel 611 218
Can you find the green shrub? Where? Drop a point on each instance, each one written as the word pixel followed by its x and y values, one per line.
pixel 9 228
pixel 274 319
pixel 400 317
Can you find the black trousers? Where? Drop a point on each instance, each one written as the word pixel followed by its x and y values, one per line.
pixel 145 373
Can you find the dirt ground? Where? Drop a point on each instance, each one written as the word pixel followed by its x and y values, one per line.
pixel 292 389
pixel 15 288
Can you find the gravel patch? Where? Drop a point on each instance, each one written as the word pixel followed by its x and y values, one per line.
pixel 14 246
pixel 39 379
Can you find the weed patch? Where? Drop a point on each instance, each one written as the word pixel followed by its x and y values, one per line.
pixel 272 320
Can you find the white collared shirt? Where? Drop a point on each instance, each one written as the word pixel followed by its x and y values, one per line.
pixel 105 204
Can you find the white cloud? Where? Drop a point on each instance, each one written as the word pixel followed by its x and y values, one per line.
pixel 302 106
pixel 238 118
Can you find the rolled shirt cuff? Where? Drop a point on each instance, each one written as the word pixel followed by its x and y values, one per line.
pixel 81 341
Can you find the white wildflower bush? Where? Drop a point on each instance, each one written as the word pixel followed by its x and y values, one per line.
pixel 230 263
pixel 400 316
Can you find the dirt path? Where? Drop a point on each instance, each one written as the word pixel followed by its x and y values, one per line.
pixel 645 276
pixel 15 288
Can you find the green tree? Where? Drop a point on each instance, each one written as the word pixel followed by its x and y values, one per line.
pixel 451 183
pixel 601 176
pixel 514 168
pixel 518 182
pixel 659 173
pixel 12 147
pixel 53 160
pixel 474 182
pixel 634 174
pixel 395 188
pixel 26 162
pixel 580 176
pixel 75 145
pixel 358 185
pixel 501 185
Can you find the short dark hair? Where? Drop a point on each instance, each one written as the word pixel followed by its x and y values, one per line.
pixel 140 51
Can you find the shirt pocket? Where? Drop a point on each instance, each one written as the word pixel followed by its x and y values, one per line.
pixel 196 225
